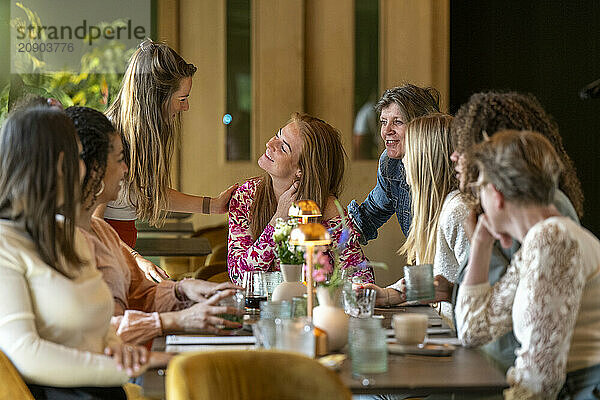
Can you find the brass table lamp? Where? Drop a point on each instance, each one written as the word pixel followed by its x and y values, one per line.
pixel 309 236
pixel 304 209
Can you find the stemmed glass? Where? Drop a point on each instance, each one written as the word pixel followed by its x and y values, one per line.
pixel 255 286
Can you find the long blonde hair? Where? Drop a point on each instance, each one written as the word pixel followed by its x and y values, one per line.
pixel 140 114
pixel 430 175
pixel 322 162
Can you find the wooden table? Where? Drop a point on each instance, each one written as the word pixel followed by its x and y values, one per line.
pixel 467 371
pixel 176 228
pixel 173 247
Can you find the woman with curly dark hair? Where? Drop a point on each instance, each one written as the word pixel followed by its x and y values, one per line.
pixel 480 118
pixel 489 112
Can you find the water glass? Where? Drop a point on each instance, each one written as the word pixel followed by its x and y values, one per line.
pixel 275 309
pixel 360 303
pixel 299 306
pixel 296 335
pixel 367 346
pixel 265 332
pixel 237 301
pixel 419 282
pixel 353 277
pixel 272 279
pixel 255 286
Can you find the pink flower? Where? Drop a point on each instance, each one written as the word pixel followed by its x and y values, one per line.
pixel 324 261
pixel 319 275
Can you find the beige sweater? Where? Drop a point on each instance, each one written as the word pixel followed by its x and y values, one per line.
pixel 54 329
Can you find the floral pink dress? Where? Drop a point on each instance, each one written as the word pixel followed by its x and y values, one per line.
pixel 246 254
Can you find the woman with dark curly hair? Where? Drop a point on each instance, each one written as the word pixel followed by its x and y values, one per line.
pixel 143 309
pixel 477 120
pixel 489 112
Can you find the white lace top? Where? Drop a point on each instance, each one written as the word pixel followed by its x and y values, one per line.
pixel 550 297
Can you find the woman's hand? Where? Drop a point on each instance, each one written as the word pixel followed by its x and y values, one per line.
pixel 443 289
pixel 484 235
pixel 202 316
pixel 132 359
pixel 286 200
pixel 220 204
pixel 387 296
pixel 153 272
pixel 198 290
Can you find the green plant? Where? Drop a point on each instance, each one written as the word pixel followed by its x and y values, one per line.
pixel 95 84
pixel 285 252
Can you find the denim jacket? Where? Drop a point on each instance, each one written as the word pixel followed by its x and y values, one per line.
pixel 390 195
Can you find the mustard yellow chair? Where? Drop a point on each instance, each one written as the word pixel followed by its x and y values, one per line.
pixel 12 385
pixel 214 272
pixel 251 375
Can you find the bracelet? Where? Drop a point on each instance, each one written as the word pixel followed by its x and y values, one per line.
pixel 179 294
pixel 134 253
pixel 206 205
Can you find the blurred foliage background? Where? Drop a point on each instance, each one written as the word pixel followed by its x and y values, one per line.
pixel 94 85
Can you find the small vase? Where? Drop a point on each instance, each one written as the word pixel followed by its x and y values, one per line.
pixel 331 318
pixel 291 286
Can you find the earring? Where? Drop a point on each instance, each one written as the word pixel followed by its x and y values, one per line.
pixel 99 192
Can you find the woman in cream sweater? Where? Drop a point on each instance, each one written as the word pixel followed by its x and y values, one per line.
pixel 56 309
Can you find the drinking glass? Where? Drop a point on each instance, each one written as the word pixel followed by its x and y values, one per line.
pixel 273 279
pixel 359 303
pixel 419 282
pixel 296 335
pixel 367 346
pixel 265 332
pixel 255 287
pixel 236 301
pixel 275 309
pixel 299 306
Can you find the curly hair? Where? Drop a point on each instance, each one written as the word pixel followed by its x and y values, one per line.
pixel 93 129
pixel 489 112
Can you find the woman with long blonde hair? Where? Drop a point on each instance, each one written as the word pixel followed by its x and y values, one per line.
pixel 435 235
pixel 304 160
pixel 147 113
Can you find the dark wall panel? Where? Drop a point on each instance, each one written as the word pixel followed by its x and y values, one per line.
pixel 548 48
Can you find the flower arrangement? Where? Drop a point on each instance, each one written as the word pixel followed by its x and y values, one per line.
pixel 285 252
pixel 327 269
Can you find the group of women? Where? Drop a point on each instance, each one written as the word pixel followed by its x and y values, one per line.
pixel 489 197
